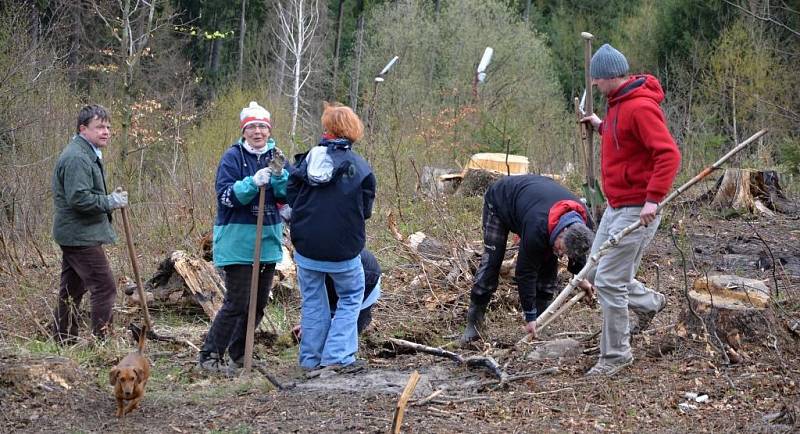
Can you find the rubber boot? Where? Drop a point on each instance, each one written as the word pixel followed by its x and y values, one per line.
pixel 475 316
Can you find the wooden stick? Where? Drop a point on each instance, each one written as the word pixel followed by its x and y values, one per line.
pixel 401 403
pixel 426 349
pixel 135 265
pixel 591 179
pixel 550 313
pixel 487 362
pixel 561 311
pixel 251 315
pixel 425 400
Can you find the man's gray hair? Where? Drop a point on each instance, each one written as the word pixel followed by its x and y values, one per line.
pixel 89 112
pixel 578 241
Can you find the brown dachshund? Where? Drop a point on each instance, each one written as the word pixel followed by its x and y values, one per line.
pixel 129 378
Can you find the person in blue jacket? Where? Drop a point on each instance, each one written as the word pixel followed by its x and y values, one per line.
pixel 331 191
pixel 249 164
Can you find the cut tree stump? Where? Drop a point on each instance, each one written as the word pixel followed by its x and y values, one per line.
pixel 746 190
pixel 475 182
pixel 499 162
pixel 734 308
pixel 480 172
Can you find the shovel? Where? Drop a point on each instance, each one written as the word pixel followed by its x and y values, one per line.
pixel 251 315
pixel 135 265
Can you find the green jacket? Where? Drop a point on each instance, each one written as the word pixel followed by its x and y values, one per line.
pixel 82 212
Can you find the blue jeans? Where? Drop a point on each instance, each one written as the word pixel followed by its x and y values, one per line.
pixel 329 341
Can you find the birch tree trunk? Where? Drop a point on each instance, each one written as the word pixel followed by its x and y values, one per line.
pixel 337 47
pixel 299 20
pixel 354 80
pixel 242 28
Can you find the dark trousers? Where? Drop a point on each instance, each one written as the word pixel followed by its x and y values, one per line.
pixel 84 269
pixel 364 316
pixel 495 236
pixel 535 277
pixel 228 331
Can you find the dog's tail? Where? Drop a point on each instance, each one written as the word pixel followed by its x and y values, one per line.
pixel 142 337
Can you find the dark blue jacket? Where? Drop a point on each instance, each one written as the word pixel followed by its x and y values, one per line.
pixel 328 220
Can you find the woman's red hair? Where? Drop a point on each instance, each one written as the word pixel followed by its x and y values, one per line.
pixel 340 121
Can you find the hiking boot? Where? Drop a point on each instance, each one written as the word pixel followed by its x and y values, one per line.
pixel 210 362
pixel 608 369
pixel 475 316
pixel 234 367
pixel 645 318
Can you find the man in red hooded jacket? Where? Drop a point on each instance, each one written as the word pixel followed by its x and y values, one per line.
pixel 639 161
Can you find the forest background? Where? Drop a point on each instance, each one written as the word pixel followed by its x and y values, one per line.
pixel 176 73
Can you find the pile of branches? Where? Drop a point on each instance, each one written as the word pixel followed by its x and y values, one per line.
pixel 443 269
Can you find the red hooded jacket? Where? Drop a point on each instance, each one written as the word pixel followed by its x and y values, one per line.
pixel 639 156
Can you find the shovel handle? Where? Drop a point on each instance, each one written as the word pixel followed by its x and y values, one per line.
pixel 251 315
pixel 135 265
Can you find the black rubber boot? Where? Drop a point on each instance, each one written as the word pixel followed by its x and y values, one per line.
pixel 475 316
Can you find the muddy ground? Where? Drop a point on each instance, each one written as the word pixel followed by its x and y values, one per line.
pixel 47 389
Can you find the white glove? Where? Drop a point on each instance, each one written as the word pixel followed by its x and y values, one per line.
pixel 261 178
pixel 286 213
pixel 118 198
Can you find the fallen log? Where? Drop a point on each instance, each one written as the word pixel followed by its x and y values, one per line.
pixel 202 280
pixel 184 282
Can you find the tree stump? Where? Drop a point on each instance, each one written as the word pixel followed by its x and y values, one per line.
pixel 732 307
pixel 746 190
pixel 476 182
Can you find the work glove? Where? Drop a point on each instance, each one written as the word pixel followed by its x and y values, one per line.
pixel 118 198
pixel 261 178
pixel 277 162
pixel 285 212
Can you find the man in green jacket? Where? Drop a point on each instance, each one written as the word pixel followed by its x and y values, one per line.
pixel 82 224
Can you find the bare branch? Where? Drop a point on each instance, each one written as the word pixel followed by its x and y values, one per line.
pixel 102 17
pixel 768 19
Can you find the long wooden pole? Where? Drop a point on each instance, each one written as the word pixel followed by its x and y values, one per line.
pixel 591 179
pixel 554 310
pixel 135 265
pixel 251 315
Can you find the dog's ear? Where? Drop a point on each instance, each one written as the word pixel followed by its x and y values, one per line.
pixel 139 375
pixel 112 376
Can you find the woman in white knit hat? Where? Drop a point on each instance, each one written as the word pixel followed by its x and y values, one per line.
pixel 252 162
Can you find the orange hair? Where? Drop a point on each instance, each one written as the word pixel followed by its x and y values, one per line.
pixel 340 121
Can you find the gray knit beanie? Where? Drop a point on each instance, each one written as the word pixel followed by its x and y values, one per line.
pixel 607 62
